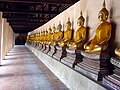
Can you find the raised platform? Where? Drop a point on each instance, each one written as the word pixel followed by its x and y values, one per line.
pixel 95 65
pixel 71 78
pixel 113 81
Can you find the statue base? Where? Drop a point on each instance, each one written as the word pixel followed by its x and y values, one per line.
pixel 52 50
pixel 94 65
pixel 113 81
pixel 40 46
pixel 44 48
pixel 33 44
pixel 60 53
pixel 47 49
pixel 37 45
pixel 73 57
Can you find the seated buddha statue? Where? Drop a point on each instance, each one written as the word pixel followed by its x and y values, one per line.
pixel 37 37
pixel 42 37
pixel 28 37
pixel 49 35
pixel 53 35
pixel 80 37
pixel 67 35
pixel 103 33
pixel 58 35
pixel 45 37
pixel 117 51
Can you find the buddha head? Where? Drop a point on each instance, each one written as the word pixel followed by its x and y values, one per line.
pixel 50 30
pixel 81 20
pixel 54 28
pixel 43 32
pixel 59 27
pixel 36 35
pixel 68 24
pixel 103 13
pixel 46 31
pixel 40 33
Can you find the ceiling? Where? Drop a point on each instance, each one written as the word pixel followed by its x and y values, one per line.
pixel 26 15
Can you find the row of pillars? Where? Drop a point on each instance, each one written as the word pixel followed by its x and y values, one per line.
pixel 7 38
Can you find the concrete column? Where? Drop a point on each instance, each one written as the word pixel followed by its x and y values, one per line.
pixel 7 38
pixel 0 37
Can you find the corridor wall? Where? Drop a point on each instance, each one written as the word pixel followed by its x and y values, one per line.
pixel 7 38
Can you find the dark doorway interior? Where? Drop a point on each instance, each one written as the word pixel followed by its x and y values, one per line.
pixel 20 39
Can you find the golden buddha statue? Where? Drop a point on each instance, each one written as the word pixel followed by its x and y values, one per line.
pixel 53 34
pixel 45 37
pixel 103 33
pixel 80 36
pixel 117 51
pixel 37 37
pixel 67 35
pixel 42 37
pixel 49 35
pixel 58 35
pixel 28 37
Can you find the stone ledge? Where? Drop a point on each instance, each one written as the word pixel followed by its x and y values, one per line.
pixel 71 78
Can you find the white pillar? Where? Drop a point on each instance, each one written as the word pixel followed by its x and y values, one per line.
pixel 1 32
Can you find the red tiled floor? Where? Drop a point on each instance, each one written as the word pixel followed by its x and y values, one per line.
pixel 21 70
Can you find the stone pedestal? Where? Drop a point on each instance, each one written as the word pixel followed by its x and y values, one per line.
pixel 94 65
pixel 40 46
pixel 43 48
pixel 73 57
pixel 47 49
pixel 36 45
pixel 32 44
pixel 52 50
pixel 60 53
pixel 113 81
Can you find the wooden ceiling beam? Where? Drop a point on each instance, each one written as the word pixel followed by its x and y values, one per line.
pixel 27 21
pixel 26 8
pixel 22 26
pixel 44 1
pixel 23 23
pixel 23 29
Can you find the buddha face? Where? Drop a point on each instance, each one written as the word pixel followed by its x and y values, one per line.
pixel 67 25
pixel 80 22
pixel 54 29
pixel 102 16
pixel 59 27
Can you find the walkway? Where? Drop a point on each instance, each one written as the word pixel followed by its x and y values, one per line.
pixel 22 70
